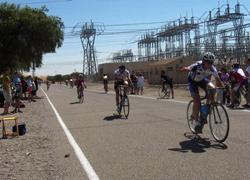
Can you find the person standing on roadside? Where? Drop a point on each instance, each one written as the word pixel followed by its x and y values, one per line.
pixel 24 86
pixel 29 86
pixel 36 83
pixel 140 83
pixel 134 80
pixel 18 87
pixel 6 90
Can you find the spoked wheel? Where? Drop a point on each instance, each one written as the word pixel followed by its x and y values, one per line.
pixel 167 91
pixel 237 99
pixel 126 106
pixel 81 99
pixel 161 91
pixel 120 104
pixel 190 118
pixel 219 122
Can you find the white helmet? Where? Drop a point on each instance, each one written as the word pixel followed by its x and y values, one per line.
pixel 208 56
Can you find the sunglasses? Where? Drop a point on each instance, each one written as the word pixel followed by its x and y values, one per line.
pixel 209 62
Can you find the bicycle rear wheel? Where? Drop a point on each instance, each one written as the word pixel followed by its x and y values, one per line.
pixel 126 107
pixel 190 118
pixel 161 91
pixel 167 91
pixel 219 122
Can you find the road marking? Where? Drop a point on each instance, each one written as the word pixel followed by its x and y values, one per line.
pixel 82 158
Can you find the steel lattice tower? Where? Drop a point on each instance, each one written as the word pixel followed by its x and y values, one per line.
pixel 88 32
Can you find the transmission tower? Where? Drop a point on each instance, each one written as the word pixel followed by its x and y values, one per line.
pixel 88 32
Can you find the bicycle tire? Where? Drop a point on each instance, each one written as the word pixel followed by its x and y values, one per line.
pixel 219 122
pixel 81 99
pixel 167 91
pixel 120 104
pixel 161 91
pixel 190 119
pixel 126 106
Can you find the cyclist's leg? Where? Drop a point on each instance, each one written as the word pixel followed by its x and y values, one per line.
pixel 116 87
pixel 193 87
pixel 211 93
pixel 171 87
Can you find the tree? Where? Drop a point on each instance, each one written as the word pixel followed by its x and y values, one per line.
pixel 27 34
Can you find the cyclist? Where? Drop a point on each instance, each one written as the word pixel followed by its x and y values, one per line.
pixel 239 74
pixel 105 82
pixel 199 75
pixel 122 77
pixel 167 80
pixel 80 85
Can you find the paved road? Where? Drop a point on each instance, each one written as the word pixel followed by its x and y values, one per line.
pixel 153 143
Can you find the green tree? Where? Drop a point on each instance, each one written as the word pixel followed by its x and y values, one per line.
pixel 27 34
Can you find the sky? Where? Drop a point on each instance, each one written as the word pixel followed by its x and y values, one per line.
pixel 131 17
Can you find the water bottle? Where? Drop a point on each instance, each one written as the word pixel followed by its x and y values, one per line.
pixel 204 112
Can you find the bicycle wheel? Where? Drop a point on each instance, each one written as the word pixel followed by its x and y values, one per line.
pixel 237 99
pixel 81 99
pixel 190 118
pixel 161 91
pixel 167 91
pixel 219 122
pixel 120 104
pixel 126 106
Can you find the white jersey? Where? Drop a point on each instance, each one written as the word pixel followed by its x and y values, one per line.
pixel 200 74
pixel 248 70
pixel 118 74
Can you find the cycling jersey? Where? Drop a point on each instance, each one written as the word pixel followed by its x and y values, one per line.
pixel 200 74
pixel 239 74
pixel 80 82
pixel 117 74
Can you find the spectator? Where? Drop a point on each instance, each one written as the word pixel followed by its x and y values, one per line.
pixel 29 86
pixel 219 97
pixel 134 79
pixel 24 86
pixel 140 83
pixel 6 90
pixel 17 95
pixel 33 92
pixel 36 84
pixel 225 80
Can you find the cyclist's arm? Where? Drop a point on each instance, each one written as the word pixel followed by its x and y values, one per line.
pixel 185 69
pixel 218 82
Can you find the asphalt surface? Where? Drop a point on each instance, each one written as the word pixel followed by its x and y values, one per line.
pixel 153 143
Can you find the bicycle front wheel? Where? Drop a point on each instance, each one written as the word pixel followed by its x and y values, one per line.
pixel 81 97
pixel 126 107
pixel 190 118
pixel 161 91
pixel 219 122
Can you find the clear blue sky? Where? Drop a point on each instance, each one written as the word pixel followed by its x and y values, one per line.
pixel 153 13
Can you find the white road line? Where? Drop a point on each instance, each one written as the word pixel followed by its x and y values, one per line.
pixel 82 158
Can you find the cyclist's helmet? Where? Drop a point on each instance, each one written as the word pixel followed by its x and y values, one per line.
pixel 208 56
pixel 80 75
pixel 121 66
pixel 236 64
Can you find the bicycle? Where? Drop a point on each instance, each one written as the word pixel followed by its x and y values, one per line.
pixel 218 118
pixel 163 90
pixel 124 101
pixel 80 95
pixel 241 92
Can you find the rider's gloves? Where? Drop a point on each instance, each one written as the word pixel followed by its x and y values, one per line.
pixel 194 68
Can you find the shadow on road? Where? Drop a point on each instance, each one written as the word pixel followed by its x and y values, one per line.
pixel 77 102
pixel 196 144
pixel 111 118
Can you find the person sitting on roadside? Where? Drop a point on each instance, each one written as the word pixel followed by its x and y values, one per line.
pixel 241 78
pixel 199 75
pixel 121 77
pixel 167 80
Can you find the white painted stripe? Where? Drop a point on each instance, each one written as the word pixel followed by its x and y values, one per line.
pixel 83 160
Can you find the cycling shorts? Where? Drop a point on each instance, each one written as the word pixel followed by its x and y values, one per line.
pixel 116 85
pixel 239 85
pixel 169 82
pixel 194 85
